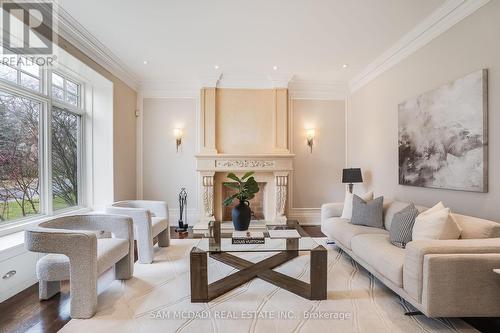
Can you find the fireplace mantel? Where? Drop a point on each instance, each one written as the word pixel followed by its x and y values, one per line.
pixel 277 166
pixel 244 162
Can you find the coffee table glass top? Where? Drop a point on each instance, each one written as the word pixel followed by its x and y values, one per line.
pixel 223 243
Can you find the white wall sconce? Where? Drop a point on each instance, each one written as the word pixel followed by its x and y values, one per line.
pixel 178 137
pixel 310 133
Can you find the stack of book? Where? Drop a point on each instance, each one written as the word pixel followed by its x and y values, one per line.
pixel 248 237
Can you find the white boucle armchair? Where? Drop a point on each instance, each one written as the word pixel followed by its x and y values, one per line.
pixel 150 220
pixel 81 247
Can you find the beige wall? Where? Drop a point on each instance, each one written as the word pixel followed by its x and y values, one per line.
pixel 125 139
pixel 244 121
pixel 164 170
pixel 124 127
pixel 316 178
pixel 472 44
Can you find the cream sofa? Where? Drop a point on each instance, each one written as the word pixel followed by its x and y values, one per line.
pixel 441 278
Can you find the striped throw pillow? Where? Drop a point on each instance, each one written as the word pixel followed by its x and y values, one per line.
pixel 402 226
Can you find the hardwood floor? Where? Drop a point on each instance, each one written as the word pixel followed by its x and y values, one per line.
pixel 25 313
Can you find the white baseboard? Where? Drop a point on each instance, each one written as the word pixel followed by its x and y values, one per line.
pixel 305 216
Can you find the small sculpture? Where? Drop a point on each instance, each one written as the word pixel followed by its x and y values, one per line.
pixel 183 225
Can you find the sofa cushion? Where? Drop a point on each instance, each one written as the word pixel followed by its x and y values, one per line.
pixel 347 211
pixel 159 224
pixel 342 231
pixel 402 226
pixel 392 207
pixel 475 227
pixel 379 253
pixel 368 213
pixel 436 223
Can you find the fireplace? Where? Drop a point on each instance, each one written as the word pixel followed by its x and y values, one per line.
pixel 271 171
pixel 244 130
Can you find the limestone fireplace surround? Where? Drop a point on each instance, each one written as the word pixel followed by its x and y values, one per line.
pixel 244 130
pixel 272 169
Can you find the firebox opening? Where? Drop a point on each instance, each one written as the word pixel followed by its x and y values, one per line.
pixel 256 204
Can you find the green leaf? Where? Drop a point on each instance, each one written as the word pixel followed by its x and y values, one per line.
pixel 246 175
pixel 233 177
pixel 251 185
pixel 232 185
pixel 251 180
pixel 229 200
pixel 246 187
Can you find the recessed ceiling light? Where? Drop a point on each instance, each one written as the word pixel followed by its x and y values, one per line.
pixel 216 66
pixel 145 62
pixel 275 68
pixel 345 66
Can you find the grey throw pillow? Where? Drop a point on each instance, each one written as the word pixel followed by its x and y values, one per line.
pixel 368 213
pixel 402 226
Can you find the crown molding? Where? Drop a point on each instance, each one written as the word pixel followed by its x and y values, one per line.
pixel 211 81
pixel 298 89
pixel 280 80
pixel 170 89
pixel 250 81
pixel 321 90
pixel 439 21
pixel 75 33
pixel 191 89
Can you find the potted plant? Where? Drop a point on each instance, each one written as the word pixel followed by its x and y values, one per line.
pixel 246 188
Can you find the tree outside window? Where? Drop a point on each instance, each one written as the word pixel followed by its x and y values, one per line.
pixel 64 158
pixel 19 157
pixel 27 122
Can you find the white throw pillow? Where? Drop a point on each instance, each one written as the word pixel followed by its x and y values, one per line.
pixel 436 223
pixel 435 208
pixel 347 211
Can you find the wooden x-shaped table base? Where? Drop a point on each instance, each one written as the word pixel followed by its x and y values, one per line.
pixel 202 291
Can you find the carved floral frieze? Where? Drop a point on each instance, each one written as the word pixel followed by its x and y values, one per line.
pixel 244 164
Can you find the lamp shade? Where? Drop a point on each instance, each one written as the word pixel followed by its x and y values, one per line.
pixel 352 175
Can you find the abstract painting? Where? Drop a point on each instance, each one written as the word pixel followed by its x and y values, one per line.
pixel 443 136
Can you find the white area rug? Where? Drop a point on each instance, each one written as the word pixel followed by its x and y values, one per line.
pixel 157 300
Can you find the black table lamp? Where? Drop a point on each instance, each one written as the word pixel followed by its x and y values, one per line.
pixel 351 176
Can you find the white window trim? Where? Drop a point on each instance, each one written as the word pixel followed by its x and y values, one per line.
pixel 44 96
pixel 20 225
pixel 19 70
pixel 64 88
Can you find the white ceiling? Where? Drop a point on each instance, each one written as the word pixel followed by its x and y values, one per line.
pixel 183 39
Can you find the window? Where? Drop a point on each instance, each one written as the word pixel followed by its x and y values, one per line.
pixel 40 143
pixel 65 143
pixel 19 157
pixel 23 72
pixel 65 90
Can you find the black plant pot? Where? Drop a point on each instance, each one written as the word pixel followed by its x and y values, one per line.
pixel 241 215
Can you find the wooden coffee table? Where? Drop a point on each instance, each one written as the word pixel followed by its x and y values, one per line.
pixel 219 247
